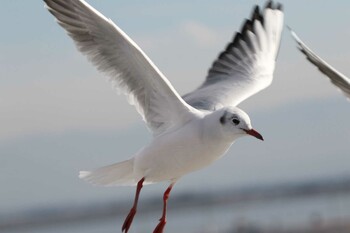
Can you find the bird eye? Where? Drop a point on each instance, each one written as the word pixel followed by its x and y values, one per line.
pixel 235 121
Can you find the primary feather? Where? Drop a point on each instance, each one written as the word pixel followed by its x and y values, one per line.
pixel 337 78
pixel 247 64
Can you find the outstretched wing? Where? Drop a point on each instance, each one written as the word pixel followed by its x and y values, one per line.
pixel 128 67
pixel 337 78
pixel 247 64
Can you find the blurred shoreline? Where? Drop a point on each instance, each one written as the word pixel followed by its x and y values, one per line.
pixel 235 198
pixel 315 226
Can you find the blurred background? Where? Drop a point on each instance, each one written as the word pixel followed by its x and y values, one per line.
pixel 58 115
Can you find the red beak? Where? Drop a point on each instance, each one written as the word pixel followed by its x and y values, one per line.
pixel 254 133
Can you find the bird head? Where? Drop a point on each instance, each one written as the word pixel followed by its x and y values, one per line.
pixel 236 122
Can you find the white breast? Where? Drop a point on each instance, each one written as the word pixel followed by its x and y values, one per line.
pixel 175 154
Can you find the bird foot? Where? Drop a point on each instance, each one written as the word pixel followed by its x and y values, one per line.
pixel 160 226
pixel 128 220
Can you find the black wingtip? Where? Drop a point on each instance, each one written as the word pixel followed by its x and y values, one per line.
pixel 280 6
pixel 247 26
pixel 236 39
pixel 256 15
pixel 274 6
pixel 256 11
pixel 269 4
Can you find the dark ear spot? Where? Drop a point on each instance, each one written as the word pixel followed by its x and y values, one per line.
pixel 222 120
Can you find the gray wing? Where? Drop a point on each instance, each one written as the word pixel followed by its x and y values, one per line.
pixel 128 67
pixel 337 78
pixel 247 64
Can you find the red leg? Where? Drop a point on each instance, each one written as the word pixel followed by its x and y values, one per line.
pixel 161 224
pixel 130 217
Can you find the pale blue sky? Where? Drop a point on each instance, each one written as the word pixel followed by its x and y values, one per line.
pixel 40 62
pixel 58 115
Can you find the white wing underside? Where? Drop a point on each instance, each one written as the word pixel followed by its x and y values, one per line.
pixel 247 64
pixel 337 78
pixel 131 71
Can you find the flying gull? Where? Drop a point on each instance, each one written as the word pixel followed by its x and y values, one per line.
pixel 189 132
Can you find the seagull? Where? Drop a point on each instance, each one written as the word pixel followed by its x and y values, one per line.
pixel 337 78
pixel 189 132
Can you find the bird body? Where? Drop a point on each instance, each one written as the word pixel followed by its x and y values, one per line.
pixel 173 154
pixel 187 149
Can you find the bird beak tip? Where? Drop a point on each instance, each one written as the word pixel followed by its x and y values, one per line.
pixel 254 133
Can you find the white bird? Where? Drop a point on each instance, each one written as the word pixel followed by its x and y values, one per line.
pixel 337 78
pixel 189 132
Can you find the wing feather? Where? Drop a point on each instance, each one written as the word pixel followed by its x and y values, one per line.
pixel 246 66
pixel 337 78
pixel 128 67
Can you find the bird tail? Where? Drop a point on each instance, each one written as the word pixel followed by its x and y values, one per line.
pixel 112 175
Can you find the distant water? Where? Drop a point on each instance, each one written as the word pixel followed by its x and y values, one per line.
pixel 280 212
